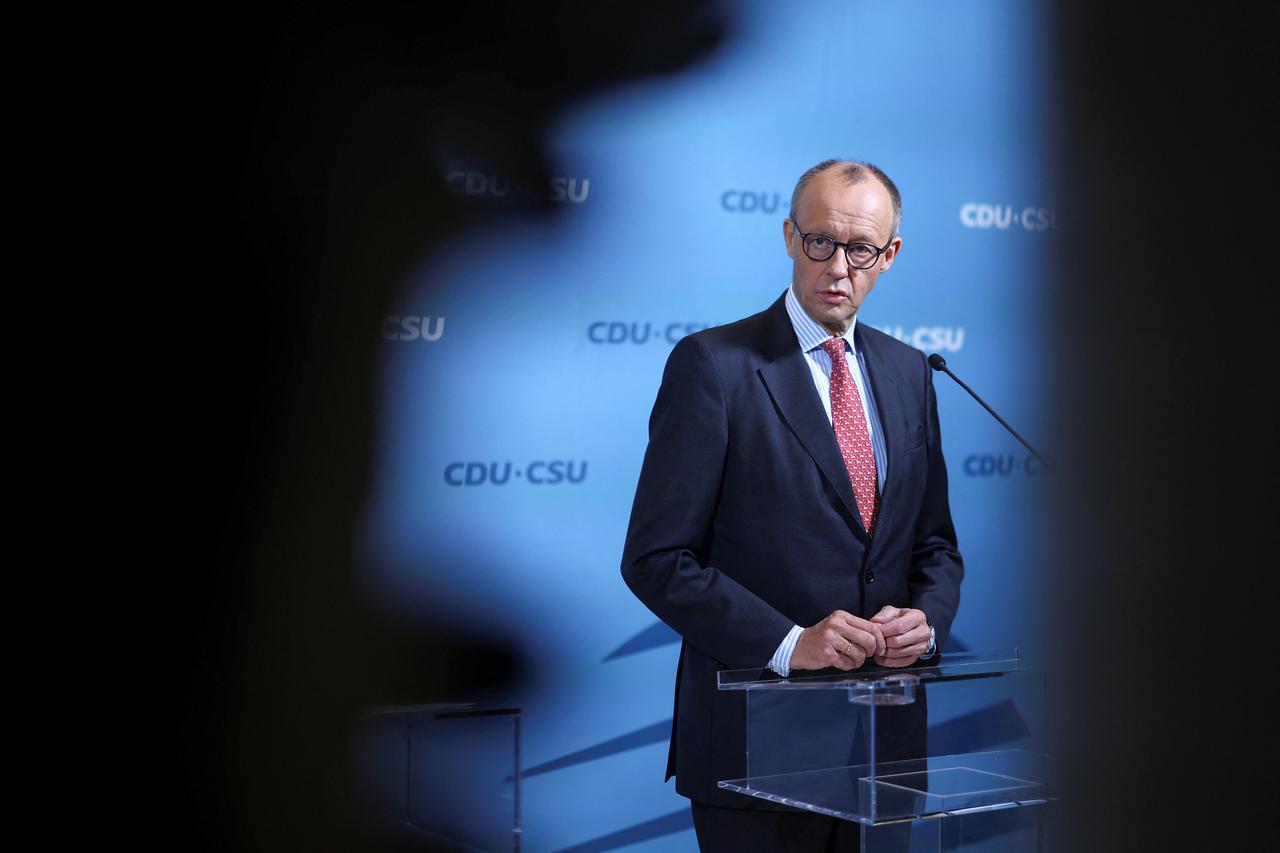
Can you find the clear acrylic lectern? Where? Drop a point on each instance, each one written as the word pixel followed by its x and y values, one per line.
pixel 438 776
pixel 928 758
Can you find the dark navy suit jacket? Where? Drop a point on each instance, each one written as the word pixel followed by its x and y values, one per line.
pixel 744 521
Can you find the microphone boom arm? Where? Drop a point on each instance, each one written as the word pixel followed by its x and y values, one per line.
pixel 939 363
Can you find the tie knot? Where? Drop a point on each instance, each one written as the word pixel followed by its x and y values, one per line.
pixel 834 347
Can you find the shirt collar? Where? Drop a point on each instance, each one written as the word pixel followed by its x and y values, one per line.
pixel 808 332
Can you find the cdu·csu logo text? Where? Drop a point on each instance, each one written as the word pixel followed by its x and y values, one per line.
pixel 1005 216
pixel 623 332
pixel 412 328
pixel 540 472
pixel 478 184
pixel 1001 465
pixel 749 201
pixel 928 338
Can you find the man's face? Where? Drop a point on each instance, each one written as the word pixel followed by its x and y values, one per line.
pixel 831 291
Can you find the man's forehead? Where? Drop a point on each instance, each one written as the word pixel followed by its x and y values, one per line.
pixel 832 199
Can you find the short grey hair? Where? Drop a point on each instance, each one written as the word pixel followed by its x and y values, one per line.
pixel 854 172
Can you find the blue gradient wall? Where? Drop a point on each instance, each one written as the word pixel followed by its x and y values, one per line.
pixel 520 365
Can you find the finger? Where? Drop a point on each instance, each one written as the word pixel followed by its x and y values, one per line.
pixel 864 624
pixel 892 628
pixel 869 641
pixel 836 644
pixel 852 653
pixel 846 656
pixel 919 634
pixel 906 648
pixel 907 653
pixel 886 613
pixel 872 628
pixel 844 662
pixel 908 620
pixel 828 654
pixel 852 647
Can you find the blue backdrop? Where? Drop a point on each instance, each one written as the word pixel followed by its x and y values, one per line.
pixel 520 366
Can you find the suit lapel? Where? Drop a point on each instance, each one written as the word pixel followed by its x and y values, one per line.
pixel 790 384
pixel 887 388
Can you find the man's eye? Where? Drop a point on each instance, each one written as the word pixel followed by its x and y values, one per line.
pixel 861 250
pixel 821 242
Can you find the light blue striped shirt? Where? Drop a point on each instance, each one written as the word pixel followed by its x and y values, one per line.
pixel 810 336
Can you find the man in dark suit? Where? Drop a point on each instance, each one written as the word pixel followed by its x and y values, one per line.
pixel 792 508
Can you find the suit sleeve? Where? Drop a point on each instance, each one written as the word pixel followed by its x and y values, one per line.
pixel 665 558
pixel 936 566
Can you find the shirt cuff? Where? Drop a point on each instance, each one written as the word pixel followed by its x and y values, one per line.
pixel 781 660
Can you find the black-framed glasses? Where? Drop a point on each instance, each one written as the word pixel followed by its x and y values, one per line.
pixel 820 247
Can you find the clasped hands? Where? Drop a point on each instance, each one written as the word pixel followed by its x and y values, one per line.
pixel 896 636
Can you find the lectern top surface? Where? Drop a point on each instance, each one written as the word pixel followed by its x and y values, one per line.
pixel 954 666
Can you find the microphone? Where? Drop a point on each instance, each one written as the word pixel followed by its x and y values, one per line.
pixel 939 364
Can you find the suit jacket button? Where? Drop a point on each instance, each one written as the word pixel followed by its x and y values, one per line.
pixel 869 577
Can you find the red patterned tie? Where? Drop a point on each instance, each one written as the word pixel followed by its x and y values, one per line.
pixel 850 423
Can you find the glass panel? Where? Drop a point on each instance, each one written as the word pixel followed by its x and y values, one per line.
pixel 440 774
pixel 887 745
pixel 1004 830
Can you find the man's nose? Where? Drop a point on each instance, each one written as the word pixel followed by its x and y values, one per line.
pixel 838 264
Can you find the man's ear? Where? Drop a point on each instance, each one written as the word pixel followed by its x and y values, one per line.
pixel 788 228
pixel 890 254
